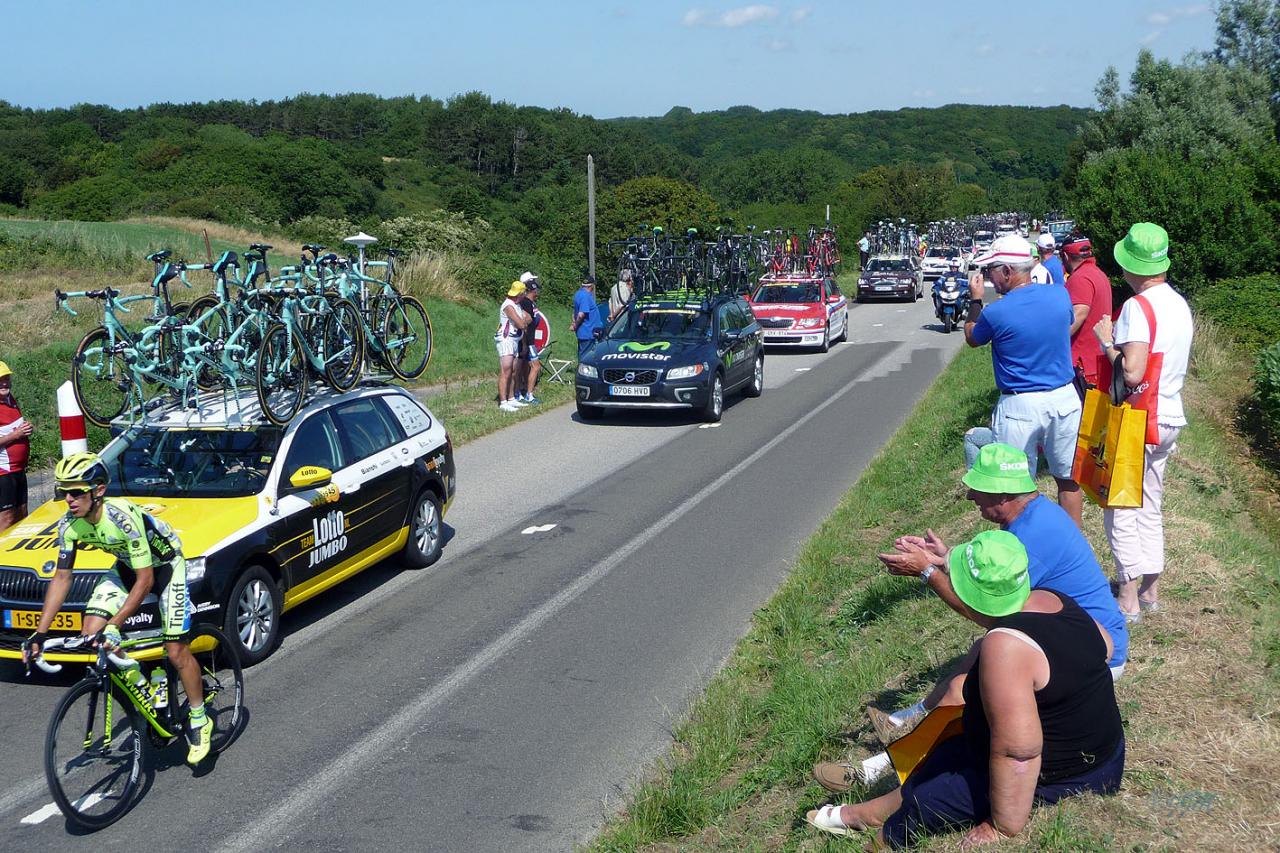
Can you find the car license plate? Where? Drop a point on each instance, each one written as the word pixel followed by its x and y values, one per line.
pixel 629 390
pixel 777 333
pixel 884 287
pixel 25 620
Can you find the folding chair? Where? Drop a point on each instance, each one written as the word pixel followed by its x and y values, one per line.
pixel 558 366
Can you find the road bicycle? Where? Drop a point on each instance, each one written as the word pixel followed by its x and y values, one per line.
pixel 102 730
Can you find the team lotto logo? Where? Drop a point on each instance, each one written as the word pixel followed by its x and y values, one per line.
pixel 328 537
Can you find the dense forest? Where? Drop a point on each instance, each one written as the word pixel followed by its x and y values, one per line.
pixel 361 158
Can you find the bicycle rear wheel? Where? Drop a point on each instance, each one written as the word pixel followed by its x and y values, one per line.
pixel 406 336
pixel 223 685
pixel 282 375
pixel 93 755
pixel 101 379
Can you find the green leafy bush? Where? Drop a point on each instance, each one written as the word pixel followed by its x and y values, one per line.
pixel 1247 308
pixel 1266 383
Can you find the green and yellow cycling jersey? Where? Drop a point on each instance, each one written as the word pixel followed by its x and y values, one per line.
pixel 134 537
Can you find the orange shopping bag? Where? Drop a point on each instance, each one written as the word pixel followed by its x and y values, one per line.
pixel 909 752
pixel 1088 469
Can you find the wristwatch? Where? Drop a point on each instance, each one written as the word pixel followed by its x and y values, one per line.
pixel 926 574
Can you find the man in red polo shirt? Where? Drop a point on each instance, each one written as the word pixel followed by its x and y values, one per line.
pixel 15 446
pixel 1090 292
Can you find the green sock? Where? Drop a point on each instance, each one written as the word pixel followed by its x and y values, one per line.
pixel 197 716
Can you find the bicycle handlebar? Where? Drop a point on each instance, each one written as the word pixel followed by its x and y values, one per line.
pixel 72 643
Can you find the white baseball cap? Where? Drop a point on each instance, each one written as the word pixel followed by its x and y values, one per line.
pixel 526 277
pixel 1046 241
pixel 1010 249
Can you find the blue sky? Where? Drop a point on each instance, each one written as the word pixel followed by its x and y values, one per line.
pixel 606 58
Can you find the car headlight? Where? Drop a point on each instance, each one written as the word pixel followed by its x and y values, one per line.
pixel 862 281
pixel 808 322
pixel 687 372
pixel 195 568
pixel 588 371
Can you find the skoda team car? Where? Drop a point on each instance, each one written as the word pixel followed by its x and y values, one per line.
pixel 803 312
pixel 673 353
pixel 937 261
pixel 268 516
pixel 890 277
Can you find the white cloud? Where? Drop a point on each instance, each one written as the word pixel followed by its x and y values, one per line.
pixel 1150 37
pixel 732 19
pixel 801 14
pixel 1158 19
pixel 1167 16
pixel 780 45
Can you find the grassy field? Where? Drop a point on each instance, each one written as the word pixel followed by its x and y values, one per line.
pixel 36 257
pixel 1198 699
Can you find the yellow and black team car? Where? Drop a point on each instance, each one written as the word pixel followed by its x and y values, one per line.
pixel 268 516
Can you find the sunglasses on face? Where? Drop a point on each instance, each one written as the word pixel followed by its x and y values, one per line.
pixel 63 494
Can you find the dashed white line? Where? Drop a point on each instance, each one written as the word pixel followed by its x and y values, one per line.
pixel 803 369
pixel 538 528
pixel 708 426
pixel 43 813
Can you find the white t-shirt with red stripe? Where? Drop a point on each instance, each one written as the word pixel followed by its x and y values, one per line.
pixel 13 456
pixel 1173 338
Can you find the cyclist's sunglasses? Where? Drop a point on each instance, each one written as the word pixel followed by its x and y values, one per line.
pixel 61 494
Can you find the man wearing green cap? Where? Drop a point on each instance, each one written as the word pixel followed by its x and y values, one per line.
pixel 1040 719
pixel 1156 321
pixel 1061 559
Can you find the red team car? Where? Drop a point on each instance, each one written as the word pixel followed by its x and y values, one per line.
pixel 800 311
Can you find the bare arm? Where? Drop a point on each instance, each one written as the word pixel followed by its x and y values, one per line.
pixel 54 596
pixel 1008 675
pixel 1079 314
pixel 516 316
pixel 1135 361
pixel 976 292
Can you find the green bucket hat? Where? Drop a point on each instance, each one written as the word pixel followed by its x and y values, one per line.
pixel 1144 250
pixel 1000 470
pixel 990 573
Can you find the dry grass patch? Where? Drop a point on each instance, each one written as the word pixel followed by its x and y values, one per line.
pixel 226 233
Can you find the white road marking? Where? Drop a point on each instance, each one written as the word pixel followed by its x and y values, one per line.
pixel 21 793
pixel 397 730
pixel 877 325
pixel 43 813
pixel 803 369
pixel 708 426
pixel 538 528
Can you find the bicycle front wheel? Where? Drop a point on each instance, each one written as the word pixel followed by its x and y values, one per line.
pixel 282 375
pixel 101 379
pixel 406 336
pixel 93 755
pixel 222 682
pixel 342 345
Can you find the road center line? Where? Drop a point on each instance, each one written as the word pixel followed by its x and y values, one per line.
pixel 396 730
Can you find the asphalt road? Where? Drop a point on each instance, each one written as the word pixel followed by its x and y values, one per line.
pixel 506 698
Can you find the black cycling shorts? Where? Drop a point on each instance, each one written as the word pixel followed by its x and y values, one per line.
pixel 13 490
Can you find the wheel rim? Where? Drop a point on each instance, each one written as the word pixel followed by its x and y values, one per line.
pixel 717 396
pixel 759 373
pixel 255 616
pixel 426 527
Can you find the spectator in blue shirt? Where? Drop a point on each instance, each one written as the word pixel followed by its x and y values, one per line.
pixel 586 317
pixel 1029 330
pixel 1049 270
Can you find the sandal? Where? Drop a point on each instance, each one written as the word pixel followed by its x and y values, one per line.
pixel 1145 606
pixel 828 819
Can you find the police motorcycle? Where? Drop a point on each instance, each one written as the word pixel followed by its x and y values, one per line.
pixel 951 298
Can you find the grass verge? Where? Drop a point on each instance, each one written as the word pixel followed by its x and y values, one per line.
pixel 1198 698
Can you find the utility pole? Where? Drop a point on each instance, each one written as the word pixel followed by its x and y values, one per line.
pixel 591 216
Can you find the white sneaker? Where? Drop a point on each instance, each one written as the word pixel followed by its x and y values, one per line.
pixel 508 406
pixel 517 402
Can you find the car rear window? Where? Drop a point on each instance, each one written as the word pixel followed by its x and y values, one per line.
pixel 412 417
pixel 366 427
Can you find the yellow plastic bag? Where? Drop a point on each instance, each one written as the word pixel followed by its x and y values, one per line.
pixel 908 752
pixel 1110 452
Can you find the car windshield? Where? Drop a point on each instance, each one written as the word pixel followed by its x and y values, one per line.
pixel 886 265
pixel 943 252
pixel 793 292
pixel 649 323
pixel 191 463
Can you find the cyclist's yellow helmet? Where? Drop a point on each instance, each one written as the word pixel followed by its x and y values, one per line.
pixel 81 469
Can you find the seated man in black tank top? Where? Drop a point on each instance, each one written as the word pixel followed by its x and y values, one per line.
pixel 1040 718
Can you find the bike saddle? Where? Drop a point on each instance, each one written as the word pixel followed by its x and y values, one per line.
pixel 331 258
pixel 228 259
pixel 313 248
pixel 158 257
pixel 259 247
pixel 392 253
pixel 252 256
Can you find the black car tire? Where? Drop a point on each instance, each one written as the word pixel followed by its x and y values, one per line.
pixel 590 413
pixel 844 330
pixel 756 388
pixel 254 583
pixel 826 338
pixel 426 532
pixel 714 408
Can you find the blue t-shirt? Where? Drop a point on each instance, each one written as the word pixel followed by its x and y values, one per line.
pixel 585 303
pixel 1029 330
pixel 1056 274
pixel 1061 559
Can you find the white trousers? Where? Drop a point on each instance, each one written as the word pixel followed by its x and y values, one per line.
pixel 1137 535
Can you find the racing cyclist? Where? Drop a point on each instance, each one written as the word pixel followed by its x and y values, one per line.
pixel 148 553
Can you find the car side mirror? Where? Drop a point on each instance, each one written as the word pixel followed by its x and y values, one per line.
pixel 833 297
pixel 597 333
pixel 310 477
